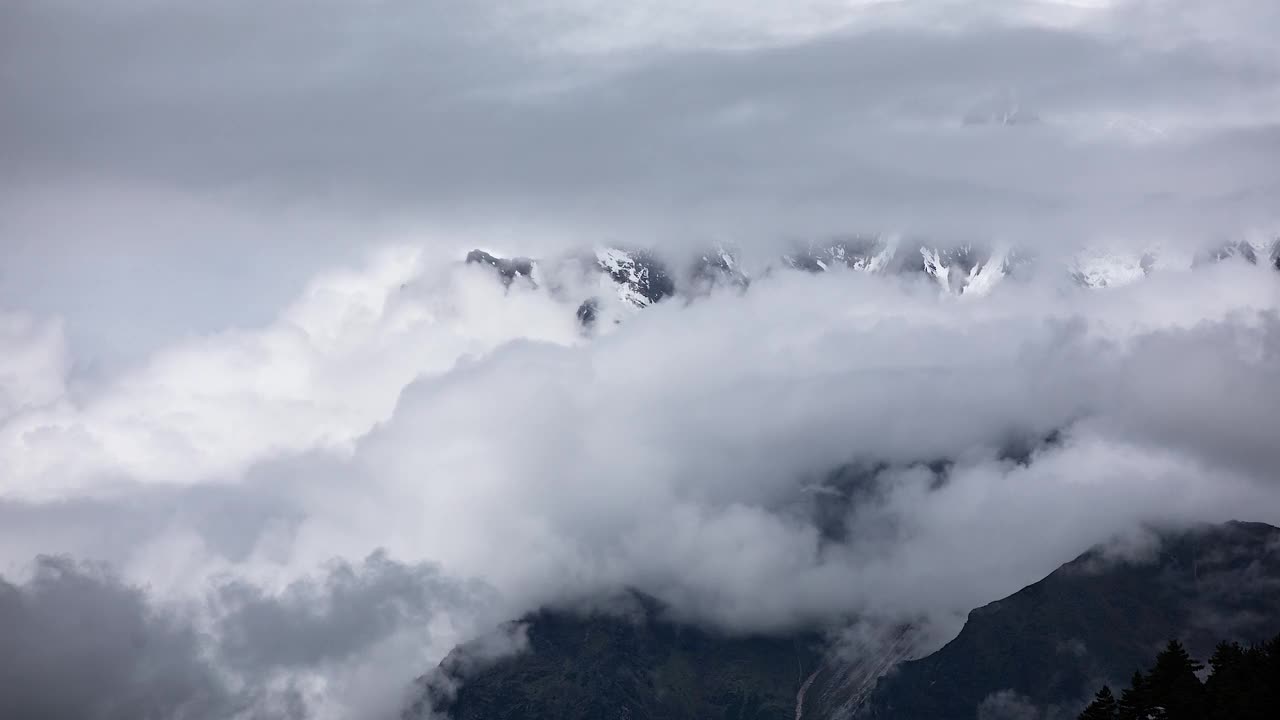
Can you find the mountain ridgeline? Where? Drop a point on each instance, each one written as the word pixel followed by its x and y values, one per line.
pixel 1096 620
pixel 620 280
pixel 1044 651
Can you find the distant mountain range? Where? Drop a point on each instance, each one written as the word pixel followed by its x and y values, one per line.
pixel 613 282
pixel 1047 647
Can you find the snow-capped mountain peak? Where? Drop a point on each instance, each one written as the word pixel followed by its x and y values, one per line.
pixel 610 283
pixel 640 277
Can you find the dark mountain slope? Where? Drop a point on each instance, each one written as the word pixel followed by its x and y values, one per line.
pixel 635 665
pixel 1096 620
pixel 1052 644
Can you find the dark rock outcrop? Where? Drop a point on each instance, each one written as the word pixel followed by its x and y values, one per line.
pixel 642 275
pixel 508 268
pixel 1227 251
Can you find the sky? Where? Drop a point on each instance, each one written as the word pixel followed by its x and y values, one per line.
pixel 256 412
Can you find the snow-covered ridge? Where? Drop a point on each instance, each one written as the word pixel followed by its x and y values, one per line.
pixel 611 283
pixel 641 278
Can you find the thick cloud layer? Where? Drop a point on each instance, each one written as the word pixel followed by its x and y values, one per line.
pixel 436 416
pixel 80 643
pixel 269 448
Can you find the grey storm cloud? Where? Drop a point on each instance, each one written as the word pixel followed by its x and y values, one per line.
pixel 82 643
pixel 313 622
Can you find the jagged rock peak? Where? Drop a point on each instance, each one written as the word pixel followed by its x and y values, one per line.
pixel 508 268
pixel 870 253
pixel 1228 251
pixel 716 267
pixel 588 311
pixel 1094 268
pixel 623 280
pixel 959 269
pixel 968 268
pixel 642 278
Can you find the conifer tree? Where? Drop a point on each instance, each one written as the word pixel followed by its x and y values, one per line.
pixel 1243 684
pixel 1176 693
pixel 1241 687
pixel 1103 706
pixel 1134 703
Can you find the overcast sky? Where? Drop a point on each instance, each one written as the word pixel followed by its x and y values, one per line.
pixel 255 409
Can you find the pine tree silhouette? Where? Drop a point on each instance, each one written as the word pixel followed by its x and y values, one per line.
pixel 1103 707
pixel 1175 691
pixel 1243 684
pixel 1134 702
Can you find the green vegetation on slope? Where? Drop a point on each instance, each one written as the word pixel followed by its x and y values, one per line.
pixel 637 666
pixel 1092 621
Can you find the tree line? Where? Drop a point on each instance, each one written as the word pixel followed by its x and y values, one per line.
pixel 1243 684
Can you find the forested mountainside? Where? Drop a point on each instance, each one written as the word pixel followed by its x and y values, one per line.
pixel 1095 620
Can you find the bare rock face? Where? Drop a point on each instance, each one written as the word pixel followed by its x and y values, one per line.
pixel 508 268
pixel 642 278
pixel 1228 251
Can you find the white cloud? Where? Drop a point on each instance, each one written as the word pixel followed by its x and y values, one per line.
pixel 33 363
pixel 328 369
pixel 419 406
